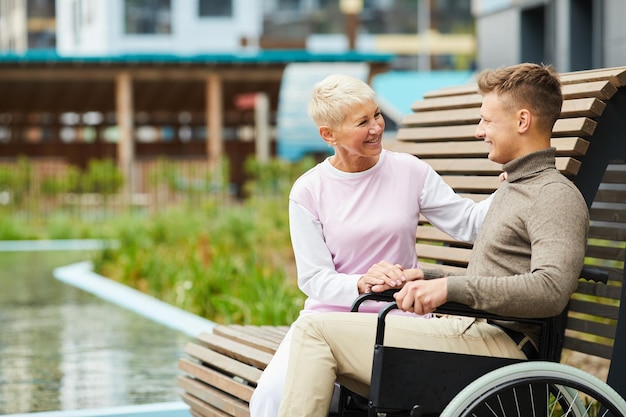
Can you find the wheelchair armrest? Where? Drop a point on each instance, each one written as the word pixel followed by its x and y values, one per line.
pixel 548 324
pixel 373 296
pixel 551 327
pixel 591 273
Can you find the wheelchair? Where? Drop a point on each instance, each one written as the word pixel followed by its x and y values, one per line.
pixel 459 385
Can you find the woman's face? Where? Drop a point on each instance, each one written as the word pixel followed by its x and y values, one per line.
pixel 358 141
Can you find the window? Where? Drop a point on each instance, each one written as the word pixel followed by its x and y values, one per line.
pixel 215 8
pixel 148 16
pixel 40 8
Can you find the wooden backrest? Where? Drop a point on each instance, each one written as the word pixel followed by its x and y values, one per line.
pixel 590 138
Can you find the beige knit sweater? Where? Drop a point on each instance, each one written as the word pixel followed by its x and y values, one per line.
pixel 529 252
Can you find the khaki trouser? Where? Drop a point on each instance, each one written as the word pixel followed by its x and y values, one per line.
pixel 339 346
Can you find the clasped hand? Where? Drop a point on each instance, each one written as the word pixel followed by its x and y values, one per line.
pixel 416 294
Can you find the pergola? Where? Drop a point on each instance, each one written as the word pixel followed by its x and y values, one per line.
pixel 132 91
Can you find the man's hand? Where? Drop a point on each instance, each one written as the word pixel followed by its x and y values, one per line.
pixel 422 296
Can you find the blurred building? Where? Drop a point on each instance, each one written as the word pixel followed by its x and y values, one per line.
pixel 570 34
pixel 424 34
pixel 123 84
pixel 113 27
pixel 27 25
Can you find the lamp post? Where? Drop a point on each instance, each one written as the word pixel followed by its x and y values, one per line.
pixel 423 28
pixel 352 9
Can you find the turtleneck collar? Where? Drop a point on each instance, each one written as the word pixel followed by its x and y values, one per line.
pixel 530 164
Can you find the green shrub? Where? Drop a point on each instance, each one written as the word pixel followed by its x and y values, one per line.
pixel 102 177
pixel 54 185
pixel 229 261
pixel 16 180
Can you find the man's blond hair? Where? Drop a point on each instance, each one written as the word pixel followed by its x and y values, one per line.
pixel 531 86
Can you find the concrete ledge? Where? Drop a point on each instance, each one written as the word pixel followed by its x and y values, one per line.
pixel 174 409
pixel 52 245
pixel 81 275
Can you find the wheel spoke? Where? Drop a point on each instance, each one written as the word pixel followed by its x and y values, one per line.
pixel 534 389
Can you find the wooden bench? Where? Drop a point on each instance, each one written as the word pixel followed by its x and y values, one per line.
pixel 222 369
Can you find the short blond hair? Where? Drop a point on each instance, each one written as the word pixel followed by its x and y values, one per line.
pixel 334 95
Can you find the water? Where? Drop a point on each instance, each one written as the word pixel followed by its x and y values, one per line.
pixel 64 349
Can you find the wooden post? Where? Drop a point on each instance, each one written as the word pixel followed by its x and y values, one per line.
pixel 261 121
pixel 214 117
pixel 125 125
pixel 352 23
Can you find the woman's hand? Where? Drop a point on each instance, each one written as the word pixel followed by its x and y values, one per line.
pixel 380 277
pixel 385 276
pixel 409 275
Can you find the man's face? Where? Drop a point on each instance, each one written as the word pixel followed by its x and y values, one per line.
pixel 498 128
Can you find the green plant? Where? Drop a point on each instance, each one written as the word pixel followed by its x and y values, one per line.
pixel 102 176
pixel 54 185
pixel 16 180
pixel 229 261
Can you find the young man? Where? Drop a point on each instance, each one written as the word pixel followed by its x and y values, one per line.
pixel 525 263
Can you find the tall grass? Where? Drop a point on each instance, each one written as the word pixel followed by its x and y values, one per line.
pixel 226 260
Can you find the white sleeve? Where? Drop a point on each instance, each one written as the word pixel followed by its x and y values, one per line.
pixel 317 277
pixel 459 217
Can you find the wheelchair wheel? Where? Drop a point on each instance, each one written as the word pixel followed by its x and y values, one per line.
pixel 536 389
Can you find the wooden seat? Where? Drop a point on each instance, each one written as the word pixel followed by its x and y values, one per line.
pixel 223 367
pixel 590 138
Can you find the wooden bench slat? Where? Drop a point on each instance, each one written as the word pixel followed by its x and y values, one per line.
pixel 237 350
pixel 443 253
pixel 216 379
pixel 277 332
pixel 616 76
pixel 593 289
pixel 200 396
pixel 477 166
pixel 610 196
pixel 590 348
pixel 457 270
pixel 199 408
pixel 246 338
pixel 605 252
pixel 224 362
pixel 447 117
pixel 587 107
pixel 462 132
pixel 444 102
pixel 195 413
pixel 577 126
pixel 459 90
pixel 608 212
pixel 483 166
pixel 474 184
pixel 615 174
pixel 590 327
pixel 608 231
pixel 429 233
pixel 594 309
pixel 601 89
pixel 570 146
